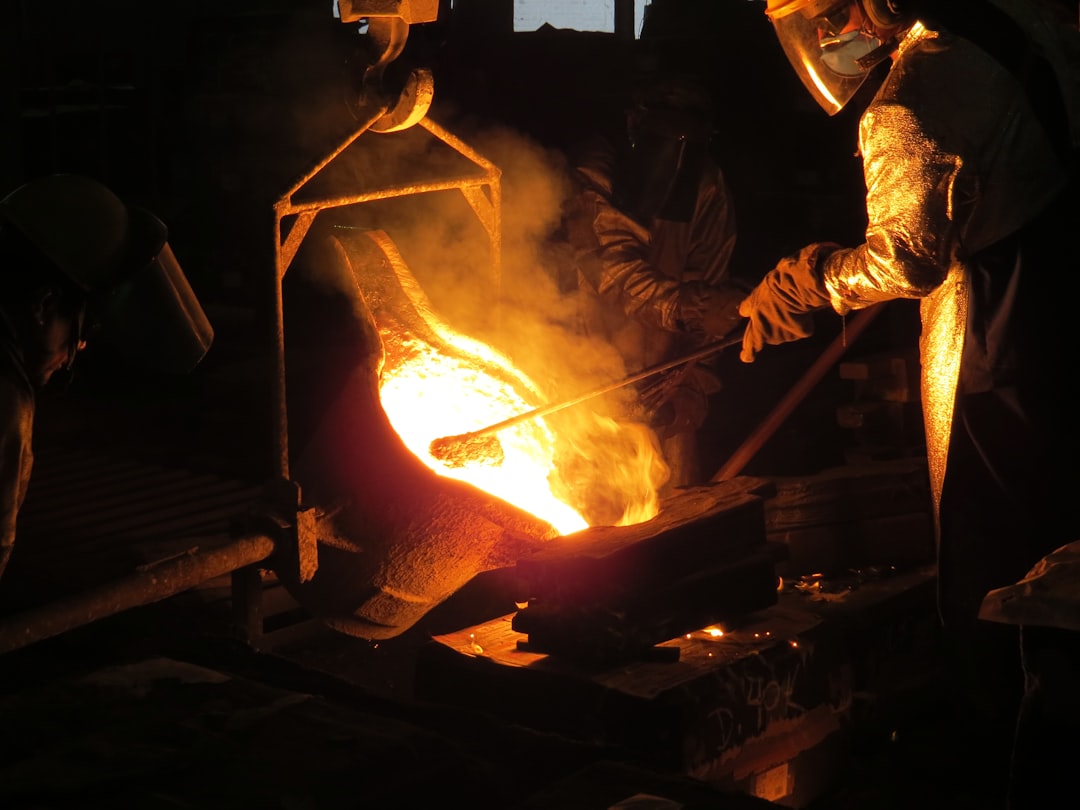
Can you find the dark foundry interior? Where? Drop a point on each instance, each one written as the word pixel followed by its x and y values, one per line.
pixel 412 532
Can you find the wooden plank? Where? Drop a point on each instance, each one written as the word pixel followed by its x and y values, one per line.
pixel 902 541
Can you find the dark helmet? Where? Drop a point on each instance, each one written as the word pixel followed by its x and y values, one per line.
pixel 675 104
pixel 119 256
pixel 669 128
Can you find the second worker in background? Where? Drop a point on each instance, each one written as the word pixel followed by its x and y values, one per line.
pixel 653 230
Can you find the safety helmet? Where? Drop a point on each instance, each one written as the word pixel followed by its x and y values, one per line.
pixel 119 256
pixel 833 45
pixel 676 103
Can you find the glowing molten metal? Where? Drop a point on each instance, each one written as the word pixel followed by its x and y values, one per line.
pixel 427 395
pixel 431 395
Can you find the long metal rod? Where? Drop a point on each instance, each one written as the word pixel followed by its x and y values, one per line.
pixel 458 145
pixel 148 585
pixel 373 115
pixel 279 437
pixel 546 410
pixel 768 426
pixel 386 193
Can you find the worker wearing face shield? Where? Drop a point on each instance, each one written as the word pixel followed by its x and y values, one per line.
pixel 653 228
pixel 76 260
pixel 969 156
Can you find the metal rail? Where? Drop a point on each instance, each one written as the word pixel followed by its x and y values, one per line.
pixel 481 190
pixel 147 585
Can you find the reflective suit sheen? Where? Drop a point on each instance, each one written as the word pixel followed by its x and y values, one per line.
pixel 633 275
pixel 966 203
pixel 970 157
pixel 971 201
pixel 969 152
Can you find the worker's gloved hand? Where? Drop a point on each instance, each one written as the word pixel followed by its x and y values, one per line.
pixel 684 411
pixel 780 308
pixel 678 401
pixel 711 310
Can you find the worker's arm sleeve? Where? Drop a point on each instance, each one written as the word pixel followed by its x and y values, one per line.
pixel 917 194
pixel 713 232
pixel 619 268
pixel 621 272
pixel 16 460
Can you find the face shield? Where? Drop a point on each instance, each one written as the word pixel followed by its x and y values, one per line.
pixel 153 318
pixel 831 46
pixel 118 257
pixel 658 173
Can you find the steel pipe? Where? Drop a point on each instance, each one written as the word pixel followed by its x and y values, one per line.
pixel 149 584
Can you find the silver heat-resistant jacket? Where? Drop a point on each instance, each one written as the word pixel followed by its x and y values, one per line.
pixel 954 160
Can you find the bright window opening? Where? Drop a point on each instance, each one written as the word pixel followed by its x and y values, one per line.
pixel 579 15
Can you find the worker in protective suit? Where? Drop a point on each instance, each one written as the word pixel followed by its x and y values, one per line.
pixel 653 228
pixel 969 157
pixel 74 258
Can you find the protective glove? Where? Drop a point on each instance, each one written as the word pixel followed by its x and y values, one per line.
pixel 711 310
pixel 678 401
pixel 683 412
pixel 780 308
